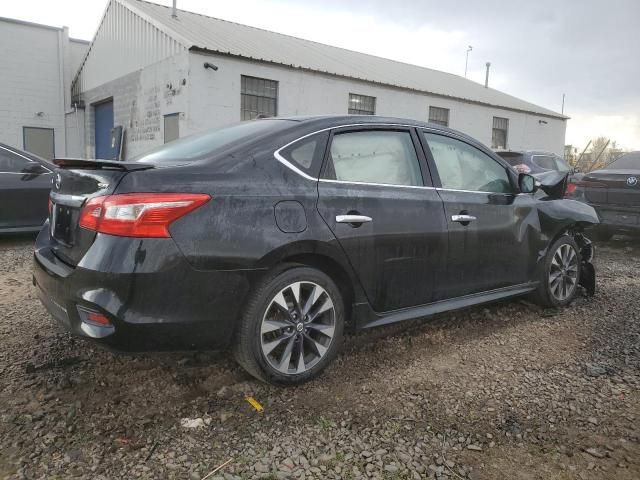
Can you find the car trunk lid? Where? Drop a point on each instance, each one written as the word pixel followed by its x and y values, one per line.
pixel 76 181
pixel 614 187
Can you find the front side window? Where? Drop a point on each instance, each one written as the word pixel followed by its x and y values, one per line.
pixel 463 167
pixel 11 163
pixel 258 98
pixel 374 156
pixel 500 132
pixel 361 105
pixel 439 116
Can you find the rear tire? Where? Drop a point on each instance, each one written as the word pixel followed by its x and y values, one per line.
pixel 560 276
pixel 291 328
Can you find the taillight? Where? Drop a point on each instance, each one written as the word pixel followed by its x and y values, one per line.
pixel 138 214
pixel 571 189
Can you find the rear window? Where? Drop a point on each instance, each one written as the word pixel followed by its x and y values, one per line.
pixel 204 145
pixel 513 158
pixel 630 161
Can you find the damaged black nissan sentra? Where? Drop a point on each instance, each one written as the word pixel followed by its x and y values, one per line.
pixel 270 236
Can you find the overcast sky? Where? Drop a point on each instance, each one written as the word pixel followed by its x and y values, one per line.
pixel 587 49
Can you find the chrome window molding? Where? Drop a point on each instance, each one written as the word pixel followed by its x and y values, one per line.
pixel 278 156
pixel 28 160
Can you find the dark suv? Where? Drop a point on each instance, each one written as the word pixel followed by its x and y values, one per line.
pixel 270 236
pixel 535 162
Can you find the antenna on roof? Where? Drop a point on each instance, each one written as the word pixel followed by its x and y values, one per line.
pixel 174 10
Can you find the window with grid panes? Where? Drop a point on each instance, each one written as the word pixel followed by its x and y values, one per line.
pixel 361 105
pixel 259 97
pixel 500 132
pixel 439 116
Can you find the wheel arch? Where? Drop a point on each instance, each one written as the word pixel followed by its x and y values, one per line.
pixel 328 259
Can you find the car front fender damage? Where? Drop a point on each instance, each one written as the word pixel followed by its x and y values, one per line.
pixel 568 217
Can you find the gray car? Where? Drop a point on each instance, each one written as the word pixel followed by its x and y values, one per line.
pixel 25 182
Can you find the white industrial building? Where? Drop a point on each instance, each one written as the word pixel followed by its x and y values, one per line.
pixel 38 65
pixel 160 74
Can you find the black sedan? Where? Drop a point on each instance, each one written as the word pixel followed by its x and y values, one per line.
pixel 271 236
pixel 25 181
pixel 614 192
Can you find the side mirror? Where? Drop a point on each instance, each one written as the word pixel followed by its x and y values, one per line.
pixel 527 183
pixel 34 169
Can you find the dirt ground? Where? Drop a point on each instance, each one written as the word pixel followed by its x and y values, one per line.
pixel 507 391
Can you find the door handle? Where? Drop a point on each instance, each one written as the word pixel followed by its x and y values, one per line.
pixel 353 219
pixel 463 218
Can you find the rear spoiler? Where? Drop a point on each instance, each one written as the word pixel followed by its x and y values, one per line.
pixel 101 164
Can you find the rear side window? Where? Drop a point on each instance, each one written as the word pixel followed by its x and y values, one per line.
pixel 306 154
pixel 463 167
pixel 204 145
pixel 630 161
pixel 374 156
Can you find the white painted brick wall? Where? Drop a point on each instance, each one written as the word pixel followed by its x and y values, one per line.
pixel 215 100
pixel 33 71
pixel 210 99
pixel 30 83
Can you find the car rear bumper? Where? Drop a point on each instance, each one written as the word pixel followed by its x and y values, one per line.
pixel 619 218
pixel 153 299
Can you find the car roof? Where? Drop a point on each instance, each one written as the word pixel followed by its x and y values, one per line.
pixel 335 121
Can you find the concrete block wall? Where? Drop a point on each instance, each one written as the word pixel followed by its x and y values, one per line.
pixel 140 101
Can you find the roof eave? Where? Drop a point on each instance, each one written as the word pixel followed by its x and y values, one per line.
pixel 198 49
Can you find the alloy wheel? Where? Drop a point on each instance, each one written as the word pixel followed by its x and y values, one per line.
pixel 563 274
pixel 298 327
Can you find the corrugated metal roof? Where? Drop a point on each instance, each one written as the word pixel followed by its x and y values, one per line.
pixel 222 36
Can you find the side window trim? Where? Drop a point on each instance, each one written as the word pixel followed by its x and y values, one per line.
pixel 425 171
pixel 437 182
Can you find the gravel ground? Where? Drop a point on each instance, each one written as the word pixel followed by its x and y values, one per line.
pixel 507 391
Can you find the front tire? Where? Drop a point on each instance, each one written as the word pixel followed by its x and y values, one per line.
pixel 561 274
pixel 291 328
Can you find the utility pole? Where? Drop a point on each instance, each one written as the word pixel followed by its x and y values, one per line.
pixel 466 62
pixel 562 111
pixel 580 157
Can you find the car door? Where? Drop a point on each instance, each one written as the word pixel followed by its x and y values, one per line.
pixel 489 238
pixel 376 196
pixel 24 190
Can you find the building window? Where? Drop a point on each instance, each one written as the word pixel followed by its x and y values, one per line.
pixel 439 116
pixel 500 131
pixel 171 127
pixel 259 98
pixel 361 105
pixel 40 141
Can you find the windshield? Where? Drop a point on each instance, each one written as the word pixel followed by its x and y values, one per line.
pixel 203 145
pixel 630 161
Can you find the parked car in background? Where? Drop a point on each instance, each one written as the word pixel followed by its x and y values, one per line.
pixel 614 191
pixel 271 235
pixel 535 162
pixel 25 182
